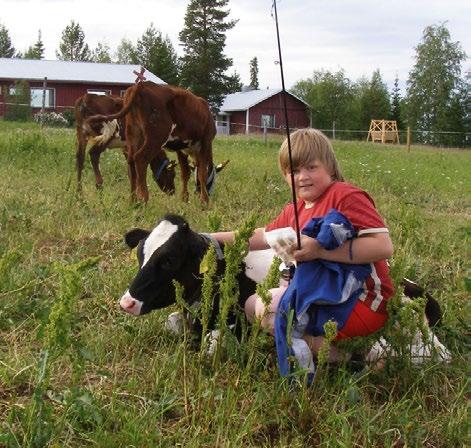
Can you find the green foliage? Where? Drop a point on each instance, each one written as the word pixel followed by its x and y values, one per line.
pixel 396 105
pixel 330 331
pixel 35 51
pixel 329 96
pixel 233 83
pixel 7 50
pixel 156 53
pixel 234 255
pixel 72 46
pixel 203 39
pixel 254 73
pixel 373 98
pixel 101 53
pixel 126 53
pixel 208 268
pixel 434 87
pixel 69 116
pixel 19 102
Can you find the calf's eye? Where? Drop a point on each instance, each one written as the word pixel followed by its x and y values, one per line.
pixel 168 263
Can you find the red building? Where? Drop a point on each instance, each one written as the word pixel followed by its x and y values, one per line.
pixel 62 82
pixel 255 111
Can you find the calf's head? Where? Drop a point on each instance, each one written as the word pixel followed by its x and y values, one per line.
pixel 211 176
pixel 171 251
pixel 163 171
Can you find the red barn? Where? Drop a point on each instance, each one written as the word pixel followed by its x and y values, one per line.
pixel 64 81
pixel 256 110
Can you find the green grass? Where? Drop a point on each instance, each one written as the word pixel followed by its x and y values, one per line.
pixel 120 381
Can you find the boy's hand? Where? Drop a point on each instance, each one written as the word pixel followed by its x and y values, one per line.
pixel 310 249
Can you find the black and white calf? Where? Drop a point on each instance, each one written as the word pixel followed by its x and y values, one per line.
pixel 172 251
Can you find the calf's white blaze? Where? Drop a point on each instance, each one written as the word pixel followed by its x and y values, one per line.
pixel 159 236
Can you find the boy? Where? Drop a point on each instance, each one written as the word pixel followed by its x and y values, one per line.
pixel 320 187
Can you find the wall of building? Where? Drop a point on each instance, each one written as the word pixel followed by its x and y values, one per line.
pixel 65 93
pixel 297 113
pixel 298 116
pixel 237 122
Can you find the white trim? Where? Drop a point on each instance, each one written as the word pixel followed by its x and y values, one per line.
pixel 377 289
pixel 377 230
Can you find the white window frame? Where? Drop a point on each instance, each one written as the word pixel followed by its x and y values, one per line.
pixel 267 120
pixel 99 91
pixel 37 98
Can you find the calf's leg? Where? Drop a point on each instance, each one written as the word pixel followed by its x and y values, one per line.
pixel 95 153
pixel 80 155
pixel 185 173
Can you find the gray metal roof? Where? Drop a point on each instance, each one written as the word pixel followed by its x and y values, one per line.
pixel 72 71
pixel 246 100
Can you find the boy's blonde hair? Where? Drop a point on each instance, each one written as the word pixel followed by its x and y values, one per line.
pixel 308 145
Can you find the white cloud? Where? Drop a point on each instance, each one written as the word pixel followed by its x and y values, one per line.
pixel 358 36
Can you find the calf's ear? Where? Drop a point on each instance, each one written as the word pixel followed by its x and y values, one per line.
pixel 133 237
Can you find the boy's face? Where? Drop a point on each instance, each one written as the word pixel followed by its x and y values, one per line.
pixel 310 180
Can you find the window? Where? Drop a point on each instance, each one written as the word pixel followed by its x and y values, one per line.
pixel 268 121
pixel 99 92
pixel 122 92
pixel 37 97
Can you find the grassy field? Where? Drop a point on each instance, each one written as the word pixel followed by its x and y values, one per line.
pixel 75 371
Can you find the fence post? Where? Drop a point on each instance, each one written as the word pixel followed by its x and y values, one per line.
pixel 43 107
pixel 333 130
pixel 265 133
pixel 408 138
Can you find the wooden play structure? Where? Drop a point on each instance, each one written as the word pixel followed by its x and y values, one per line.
pixel 384 131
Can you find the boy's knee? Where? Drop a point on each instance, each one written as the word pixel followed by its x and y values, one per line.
pixel 249 307
pixel 255 309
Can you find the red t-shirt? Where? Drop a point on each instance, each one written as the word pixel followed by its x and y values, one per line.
pixel 360 209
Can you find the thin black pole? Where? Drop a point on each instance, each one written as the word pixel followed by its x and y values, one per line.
pixel 283 90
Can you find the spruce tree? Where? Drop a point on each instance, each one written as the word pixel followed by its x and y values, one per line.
pixel 396 103
pixel 374 101
pixel 35 51
pixel 6 48
pixel 156 54
pixel 233 83
pixel 203 39
pixel 434 85
pixel 466 101
pixel 254 73
pixel 72 46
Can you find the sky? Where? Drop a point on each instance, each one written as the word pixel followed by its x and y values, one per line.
pixel 358 36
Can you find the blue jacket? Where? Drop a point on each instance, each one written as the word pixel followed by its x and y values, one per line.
pixel 320 290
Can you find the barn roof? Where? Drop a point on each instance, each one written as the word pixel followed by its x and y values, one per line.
pixel 71 71
pixel 246 100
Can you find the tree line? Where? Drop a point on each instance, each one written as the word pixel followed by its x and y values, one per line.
pixel 436 103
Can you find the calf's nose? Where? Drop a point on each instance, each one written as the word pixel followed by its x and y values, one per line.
pixel 130 305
